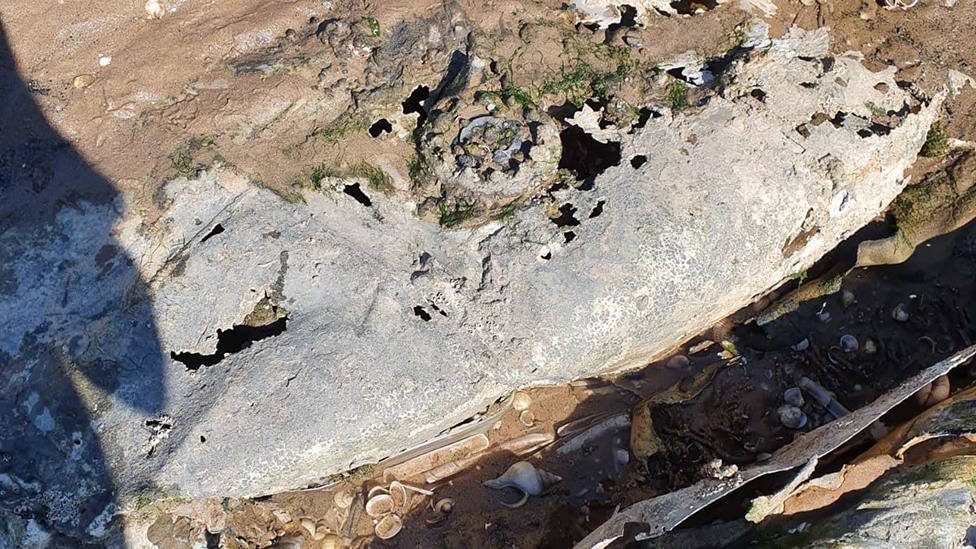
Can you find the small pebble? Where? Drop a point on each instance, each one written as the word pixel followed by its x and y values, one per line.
pixel 870 347
pixel 521 401
pixel 678 361
pixel 824 316
pixel 104 60
pixel 792 417
pixel 82 81
pixel 848 343
pixel 899 313
pixel 623 456
pixel 764 456
pixel 527 418
pixel 847 298
pixel 794 396
pixel 155 9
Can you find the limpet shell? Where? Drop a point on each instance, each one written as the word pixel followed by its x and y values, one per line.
pixel 399 495
pixel 379 505
pixel 527 418
pixel 388 526
pixel 521 401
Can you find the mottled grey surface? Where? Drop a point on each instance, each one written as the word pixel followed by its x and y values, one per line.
pixel 690 236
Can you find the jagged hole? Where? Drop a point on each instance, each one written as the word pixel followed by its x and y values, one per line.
pixel 415 103
pixel 380 127
pixel 357 193
pixel 231 341
pixel 584 156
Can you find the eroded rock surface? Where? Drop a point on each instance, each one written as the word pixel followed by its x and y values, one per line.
pixel 252 344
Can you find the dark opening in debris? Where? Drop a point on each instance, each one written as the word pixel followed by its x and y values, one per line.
pixel 628 16
pixel 438 309
pixel 414 103
pixel 218 228
pixel 584 156
pixel 356 192
pixel 638 161
pixel 213 540
pixel 690 7
pixel 380 127
pixel 566 217
pixel 164 423
pixel 598 209
pixel 203 438
pixel 569 236
pixel 563 112
pixel 231 341
pixel 422 313
pixel 643 115
pixel 546 256
pixel 758 94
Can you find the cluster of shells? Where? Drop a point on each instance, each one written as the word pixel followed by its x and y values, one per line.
pixel 388 505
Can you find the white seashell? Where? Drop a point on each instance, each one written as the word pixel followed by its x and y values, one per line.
pixel 388 526
pixel 342 499
pixel 379 505
pixel 899 313
pixel 399 495
pixel 524 477
pixel 309 525
pixel 442 508
pixel 155 9
pixel 521 401
pixel 849 343
pixel 802 345
pixel 527 418
pixel 792 417
pixel 445 505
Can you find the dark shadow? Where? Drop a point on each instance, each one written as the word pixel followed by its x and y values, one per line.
pixel 77 333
